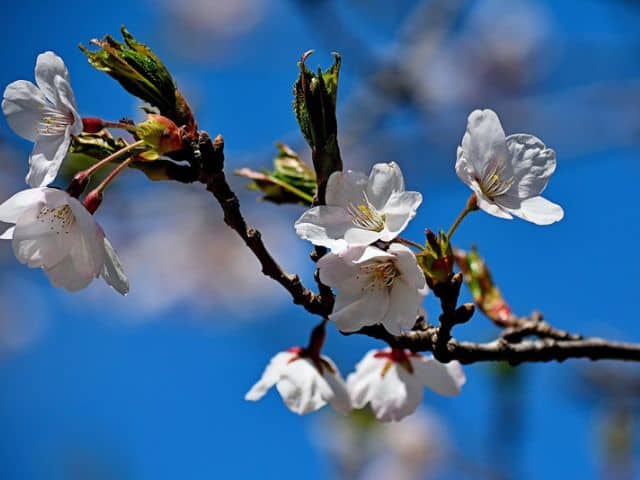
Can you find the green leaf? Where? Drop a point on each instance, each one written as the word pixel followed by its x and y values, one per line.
pixel 291 180
pixel 141 73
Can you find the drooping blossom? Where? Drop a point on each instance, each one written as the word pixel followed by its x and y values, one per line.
pixel 46 114
pixel 51 230
pixel 507 174
pixel 360 210
pixel 392 381
pixel 374 287
pixel 305 384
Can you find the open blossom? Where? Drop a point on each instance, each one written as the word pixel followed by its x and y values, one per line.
pixel 51 230
pixel 305 385
pixel 374 286
pixel 360 210
pixel 46 114
pixel 392 381
pixel 507 174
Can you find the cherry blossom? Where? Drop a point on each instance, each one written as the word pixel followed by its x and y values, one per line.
pixel 46 114
pixel 392 381
pixel 360 210
pixel 507 174
pixel 51 230
pixel 374 286
pixel 305 384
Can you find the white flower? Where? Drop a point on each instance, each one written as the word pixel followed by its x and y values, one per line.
pixel 46 114
pixel 507 174
pixel 392 381
pixel 360 210
pixel 304 385
pixel 374 287
pixel 54 231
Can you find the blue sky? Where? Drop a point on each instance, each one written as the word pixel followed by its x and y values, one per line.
pixel 163 398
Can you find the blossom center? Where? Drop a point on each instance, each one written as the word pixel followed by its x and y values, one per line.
pixel 53 121
pixel 495 182
pixel 366 216
pixel 380 275
pixel 397 356
pixel 60 219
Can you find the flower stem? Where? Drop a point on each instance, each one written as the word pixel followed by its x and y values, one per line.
pixel 113 156
pixel 409 243
pixel 316 341
pixel 113 174
pixel 291 189
pixel 120 125
pixel 472 204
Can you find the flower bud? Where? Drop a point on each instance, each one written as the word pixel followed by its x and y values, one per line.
pixel 315 109
pixel 485 293
pixel 436 260
pixel 78 184
pixel 160 134
pixel 92 201
pixel 92 124
pixel 142 74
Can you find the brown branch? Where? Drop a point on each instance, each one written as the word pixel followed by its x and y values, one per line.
pixel 206 165
pixel 541 350
pixel 209 158
pixel 534 325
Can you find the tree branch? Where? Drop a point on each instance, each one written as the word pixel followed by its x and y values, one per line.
pixel 208 157
pixel 206 165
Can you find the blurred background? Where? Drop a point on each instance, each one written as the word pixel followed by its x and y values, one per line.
pixel 151 386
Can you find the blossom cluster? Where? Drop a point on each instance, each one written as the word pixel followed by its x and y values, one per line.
pixel 49 228
pixel 390 381
pixel 379 280
pixel 376 277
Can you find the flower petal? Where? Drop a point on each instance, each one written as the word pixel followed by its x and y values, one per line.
pixel 359 383
pixel 46 158
pixel 399 210
pixel 484 142
pixel 270 376
pixel 360 311
pixel 396 395
pixel 491 207
pixel 66 275
pixel 407 264
pixel 443 378
pixel 8 233
pixel 359 236
pixel 404 301
pixel 539 210
pixel 324 226
pixel 48 66
pixel 22 104
pixel 372 253
pixel 464 169
pixel 345 188
pixel 89 252
pixel 112 271
pixel 37 244
pixel 533 164
pixel 302 388
pixel 339 397
pixel 384 180
pixel 68 102
pixel 340 272
pixel 16 205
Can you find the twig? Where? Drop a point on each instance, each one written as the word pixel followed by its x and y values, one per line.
pixel 207 159
pixel 211 163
